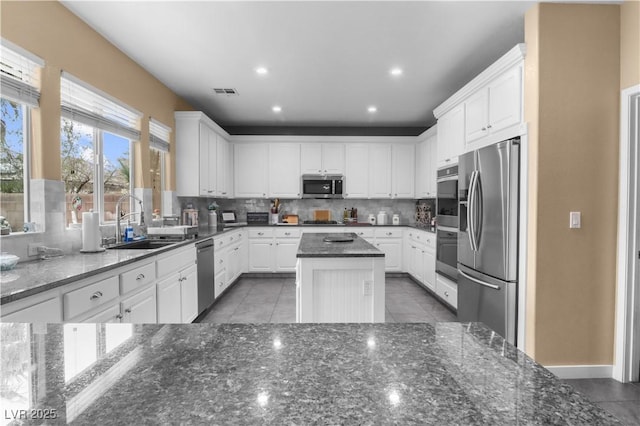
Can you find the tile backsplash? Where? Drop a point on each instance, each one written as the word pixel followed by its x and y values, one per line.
pixel 305 207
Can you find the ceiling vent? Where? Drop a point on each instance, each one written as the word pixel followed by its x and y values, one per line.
pixel 227 92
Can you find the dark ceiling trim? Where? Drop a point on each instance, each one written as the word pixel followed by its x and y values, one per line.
pixel 324 130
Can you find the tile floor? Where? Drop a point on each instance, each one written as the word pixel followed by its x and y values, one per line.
pixel 273 300
pixel 263 300
pixel 620 399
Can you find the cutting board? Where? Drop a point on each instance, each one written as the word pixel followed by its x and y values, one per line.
pixel 322 215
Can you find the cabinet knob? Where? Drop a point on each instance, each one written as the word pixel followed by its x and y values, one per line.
pixel 287 233
pixel 389 195
pixel 298 194
pixel 488 126
pixel 260 233
pixel 263 194
pixel 119 316
pixel 277 244
pixel 96 295
pixel 446 293
pixel 140 277
pixel 236 249
pixel 127 311
pixel 220 261
pixel 389 233
pixel 325 171
pixel 484 128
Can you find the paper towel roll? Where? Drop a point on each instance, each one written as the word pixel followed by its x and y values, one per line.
pixel 90 231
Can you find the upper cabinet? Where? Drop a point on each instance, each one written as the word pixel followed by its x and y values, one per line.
pixel 403 170
pixel 426 165
pixel 202 157
pixel 251 170
pixel 284 170
pixel 451 136
pixel 379 171
pixel 486 110
pixel 356 177
pixel 324 158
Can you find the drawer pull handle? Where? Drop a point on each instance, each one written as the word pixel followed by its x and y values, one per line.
pixel 389 233
pixel 287 233
pixel 260 233
pixel 127 311
pixel 236 249
pixel 140 277
pixel 96 295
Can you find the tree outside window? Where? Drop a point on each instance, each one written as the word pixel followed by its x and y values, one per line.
pixel 12 168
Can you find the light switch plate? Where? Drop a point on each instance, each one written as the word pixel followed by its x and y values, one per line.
pixel 32 249
pixel 574 220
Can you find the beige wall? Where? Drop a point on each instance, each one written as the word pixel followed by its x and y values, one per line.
pixel 629 43
pixel 52 32
pixel 572 107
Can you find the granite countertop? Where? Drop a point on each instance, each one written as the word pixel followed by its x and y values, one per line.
pixel 443 373
pixel 313 245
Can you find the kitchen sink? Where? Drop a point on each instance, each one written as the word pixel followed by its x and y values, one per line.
pixel 142 245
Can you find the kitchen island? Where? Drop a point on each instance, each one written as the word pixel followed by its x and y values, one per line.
pixel 339 278
pixel 440 374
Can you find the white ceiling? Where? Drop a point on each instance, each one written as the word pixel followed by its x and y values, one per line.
pixel 328 61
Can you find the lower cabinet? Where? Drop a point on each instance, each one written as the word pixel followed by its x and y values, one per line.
pixel 178 297
pixel 447 290
pixel 273 250
pixel 421 260
pixel 389 241
pixel 45 311
pixel 140 308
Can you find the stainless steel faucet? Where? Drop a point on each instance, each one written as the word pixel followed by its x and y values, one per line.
pixel 140 219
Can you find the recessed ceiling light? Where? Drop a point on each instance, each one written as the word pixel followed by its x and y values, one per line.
pixel 276 108
pixel 372 109
pixel 262 70
pixel 396 71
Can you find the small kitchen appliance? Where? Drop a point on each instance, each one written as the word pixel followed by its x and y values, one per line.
pixel 322 186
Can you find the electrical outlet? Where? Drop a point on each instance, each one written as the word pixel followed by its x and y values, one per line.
pixel 367 287
pixel 32 249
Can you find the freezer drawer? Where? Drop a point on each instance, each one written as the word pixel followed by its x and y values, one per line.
pixel 487 300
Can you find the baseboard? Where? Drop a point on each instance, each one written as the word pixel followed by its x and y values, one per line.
pixel 581 371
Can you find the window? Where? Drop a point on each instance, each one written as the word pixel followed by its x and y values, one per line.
pixel 19 90
pixel 159 143
pixel 97 134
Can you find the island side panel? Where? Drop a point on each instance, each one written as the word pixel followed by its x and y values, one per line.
pixel 340 289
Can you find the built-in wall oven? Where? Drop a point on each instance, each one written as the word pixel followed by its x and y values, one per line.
pixel 447 220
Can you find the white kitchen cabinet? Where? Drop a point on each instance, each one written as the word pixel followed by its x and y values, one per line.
pixel 389 241
pixel 168 293
pixel 494 107
pixel 284 170
pixel 403 170
pixel 447 290
pixel 356 178
pixel 379 171
pixel 140 308
pixel 110 315
pixel 421 263
pixel 251 163
pixel 189 294
pixel 202 156
pixel 451 133
pixel 426 167
pixel 273 250
pixel 322 158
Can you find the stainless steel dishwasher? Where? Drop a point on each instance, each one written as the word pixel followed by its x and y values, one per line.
pixel 206 275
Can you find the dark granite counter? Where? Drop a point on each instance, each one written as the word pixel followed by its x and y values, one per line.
pixel 313 245
pixel 439 374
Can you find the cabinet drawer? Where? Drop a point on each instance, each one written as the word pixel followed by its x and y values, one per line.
pixel 261 233
pixel 364 233
pixel 138 277
pixel 423 237
pixel 447 291
pixel 220 242
pixel 387 232
pixel 89 297
pixel 287 233
pixel 42 312
pixel 176 260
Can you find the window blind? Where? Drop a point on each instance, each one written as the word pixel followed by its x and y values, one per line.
pixel 87 105
pixel 159 135
pixel 19 74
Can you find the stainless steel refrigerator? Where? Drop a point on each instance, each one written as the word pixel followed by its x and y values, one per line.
pixel 488 186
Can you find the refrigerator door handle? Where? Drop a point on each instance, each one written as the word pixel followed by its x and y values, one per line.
pixel 477 210
pixel 475 280
pixel 471 211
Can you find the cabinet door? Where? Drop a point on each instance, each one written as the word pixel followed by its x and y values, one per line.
pixel 418 269
pixel 311 158
pixel 233 264
pixel 141 308
pixel 333 158
pixel 220 282
pixel 203 159
pixel 451 135
pixel 189 294
pixel 250 172
pixel 505 100
pixel 421 160
pixel 476 115
pixel 284 170
pixel 403 170
pixel 380 171
pixel 168 298
pixel 222 148
pixel 392 249
pixel 261 255
pixel 432 166
pixel 356 178
pixel 286 250
pixel 429 269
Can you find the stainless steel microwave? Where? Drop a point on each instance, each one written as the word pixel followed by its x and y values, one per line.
pixel 322 186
